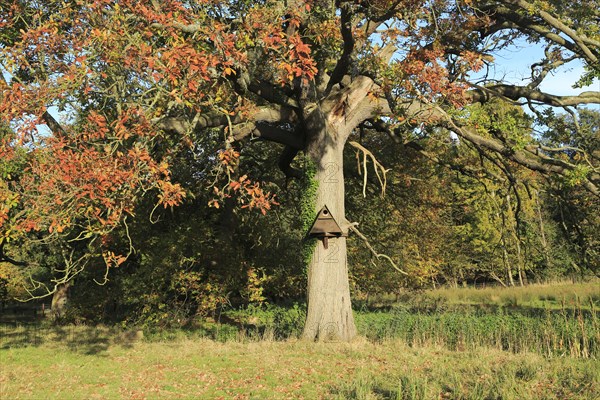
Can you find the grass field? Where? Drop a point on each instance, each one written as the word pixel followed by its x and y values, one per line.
pixel 95 364
pixel 447 344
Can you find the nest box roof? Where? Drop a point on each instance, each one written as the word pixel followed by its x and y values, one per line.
pixel 325 225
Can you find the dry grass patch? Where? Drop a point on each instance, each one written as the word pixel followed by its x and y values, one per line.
pixel 557 295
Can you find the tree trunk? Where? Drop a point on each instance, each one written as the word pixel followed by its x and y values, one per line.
pixel 463 281
pixel 506 259
pixel 520 268
pixel 515 234
pixel 497 279
pixel 454 282
pixel 327 128
pixel 329 315
pixel 60 300
pixel 543 240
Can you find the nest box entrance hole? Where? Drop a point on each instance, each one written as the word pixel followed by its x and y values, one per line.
pixel 325 227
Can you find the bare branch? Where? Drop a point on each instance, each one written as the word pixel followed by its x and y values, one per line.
pixel 353 227
pixel 545 67
pixel 380 171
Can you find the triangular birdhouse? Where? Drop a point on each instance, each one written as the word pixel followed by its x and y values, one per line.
pixel 325 226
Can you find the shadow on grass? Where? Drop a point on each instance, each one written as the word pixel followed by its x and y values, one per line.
pixel 367 392
pixel 81 339
pixel 93 340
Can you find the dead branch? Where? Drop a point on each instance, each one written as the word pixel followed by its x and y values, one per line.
pixel 353 227
pixel 380 170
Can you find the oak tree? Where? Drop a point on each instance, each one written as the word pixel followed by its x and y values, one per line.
pixel 128 78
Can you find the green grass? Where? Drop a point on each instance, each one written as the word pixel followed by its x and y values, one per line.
pixel 574 333
pixel 449 344
pixel 103 364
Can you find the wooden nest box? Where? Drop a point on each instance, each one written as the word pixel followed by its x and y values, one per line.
pixel 325 227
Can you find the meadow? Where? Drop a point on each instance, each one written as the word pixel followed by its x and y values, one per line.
pixel 445 344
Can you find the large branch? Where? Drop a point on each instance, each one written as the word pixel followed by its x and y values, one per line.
pixel 272 94
pixel 10 260
pixel 266 131
pixel 292 139
pixel 528 157
pixel 513 92
pixel 343 64
pixel 581 41
pixel 353 104
pixel 214 119
pixel 351 20
pixel 509 18
pixel 380 126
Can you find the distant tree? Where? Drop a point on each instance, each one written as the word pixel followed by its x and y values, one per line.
pixel 577 212
pixel 137 82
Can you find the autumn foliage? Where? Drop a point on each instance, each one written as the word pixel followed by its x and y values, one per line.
pixel 111 69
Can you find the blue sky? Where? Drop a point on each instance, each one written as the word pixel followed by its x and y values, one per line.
pixel 514 65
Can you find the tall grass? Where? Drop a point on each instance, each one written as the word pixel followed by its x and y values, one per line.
pixel 551 333
pixel 574 333
pixel 555 295
pixel 551 320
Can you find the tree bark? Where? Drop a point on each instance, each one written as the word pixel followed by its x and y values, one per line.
pixel 329 315
pixel 506 259
pixel 60 300
pixel 327 126
pixel 515 234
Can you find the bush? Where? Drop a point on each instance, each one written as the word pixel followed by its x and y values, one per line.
pixel 260 319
